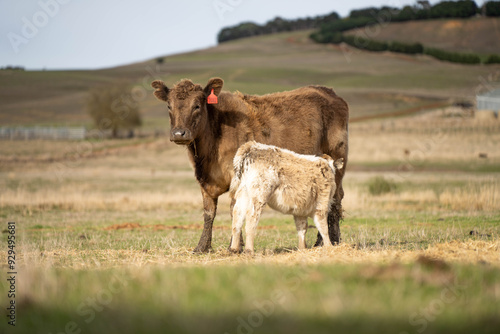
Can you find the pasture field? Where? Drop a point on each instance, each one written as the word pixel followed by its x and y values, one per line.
pixel 105 232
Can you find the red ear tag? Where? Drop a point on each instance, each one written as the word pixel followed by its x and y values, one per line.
pixel 212 98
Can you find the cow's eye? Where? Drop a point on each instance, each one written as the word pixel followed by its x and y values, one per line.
pixel 196 108
pixel 169 107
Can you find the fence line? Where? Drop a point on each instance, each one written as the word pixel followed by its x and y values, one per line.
pixel 38 132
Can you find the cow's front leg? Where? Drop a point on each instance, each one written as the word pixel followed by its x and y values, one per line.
pixel 209 211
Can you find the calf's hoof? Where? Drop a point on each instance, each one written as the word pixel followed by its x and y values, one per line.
pixel 235 250
pixel 249 252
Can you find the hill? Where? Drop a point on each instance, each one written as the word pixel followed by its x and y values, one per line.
pixel 478 35
pixel 372 83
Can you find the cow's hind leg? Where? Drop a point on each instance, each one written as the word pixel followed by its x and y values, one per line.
pixel 209 212
pixel 301 225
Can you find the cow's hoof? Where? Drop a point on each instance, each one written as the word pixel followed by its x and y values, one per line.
pixel 202 249
pixel 318 243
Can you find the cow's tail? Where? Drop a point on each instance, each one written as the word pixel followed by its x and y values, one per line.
pixel 238 172
pixel 240 160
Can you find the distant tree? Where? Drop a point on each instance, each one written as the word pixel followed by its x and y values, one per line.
pixel 245 29
pixel 406 14
pixel 460 9
pixel 160 60
pixel 363 12
pixel 13 68
pixel 492 59
pixel 113 108
pixel 374 12
pixel 424 4
pixel 455 57
pixel 278 24
pixel 492 8
pixel 414 48
pixel 364 43
pixel 333 16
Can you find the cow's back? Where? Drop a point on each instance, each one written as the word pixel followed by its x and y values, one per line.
pixel 296 120
pixel 307 120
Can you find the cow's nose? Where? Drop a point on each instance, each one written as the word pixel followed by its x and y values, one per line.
pixel 180 136
pixel 179 133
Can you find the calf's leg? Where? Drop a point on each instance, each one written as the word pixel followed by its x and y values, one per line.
pixel 231 210
pixel 238 219
pixel 335 213
pixel 301 225
pixel 252 220
pixel 321 222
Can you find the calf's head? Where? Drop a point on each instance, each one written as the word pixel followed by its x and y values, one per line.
pixel 187 107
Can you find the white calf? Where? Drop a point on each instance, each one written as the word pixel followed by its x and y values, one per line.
pixel 296 184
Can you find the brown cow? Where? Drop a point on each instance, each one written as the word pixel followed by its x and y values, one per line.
pixel 307 120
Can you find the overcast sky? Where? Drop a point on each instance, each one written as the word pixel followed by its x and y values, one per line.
pixel 91 34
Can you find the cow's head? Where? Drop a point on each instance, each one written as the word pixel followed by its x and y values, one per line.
pixel 187 107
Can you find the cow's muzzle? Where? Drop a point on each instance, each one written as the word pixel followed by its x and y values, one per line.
pixel 181 136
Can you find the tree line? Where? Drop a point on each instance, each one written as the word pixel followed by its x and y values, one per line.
pixel 333 31
pixel 331 24
pixel 422 11
pixel 278 24
pixel 408 48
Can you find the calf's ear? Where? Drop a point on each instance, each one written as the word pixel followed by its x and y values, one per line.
pixel 215 84
pixel 327 157
pixel 161 91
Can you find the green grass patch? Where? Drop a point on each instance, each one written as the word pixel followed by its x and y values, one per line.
pixel 379 185
pixel 262 298
pixel 404 166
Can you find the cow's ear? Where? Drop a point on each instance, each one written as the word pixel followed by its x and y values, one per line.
pixel 339 163
pixel 161 91
pixel 215 84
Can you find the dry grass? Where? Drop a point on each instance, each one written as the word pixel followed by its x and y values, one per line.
pixel 420 140
pixel 465 252
pixel 77 200
pixel 485 198
pixel 119 226
pixel 151 184
pixel 480 194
